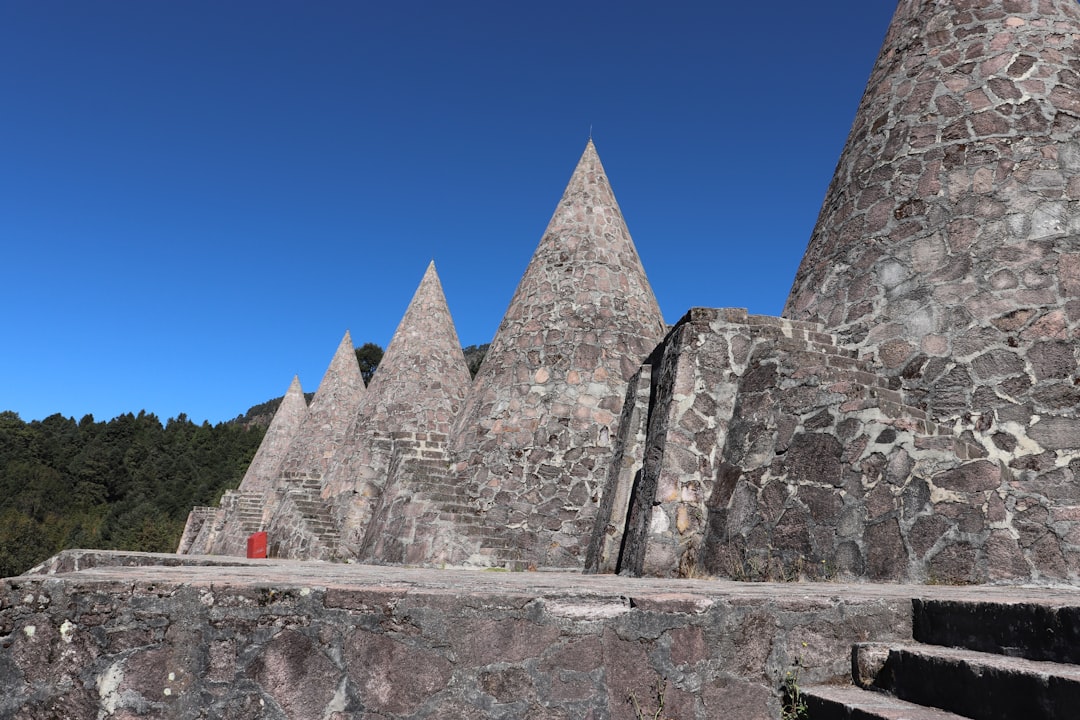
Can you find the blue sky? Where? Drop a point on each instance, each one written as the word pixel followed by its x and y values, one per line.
pixel 198 198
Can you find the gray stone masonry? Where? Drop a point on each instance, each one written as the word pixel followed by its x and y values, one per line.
pixel 206 532
pixel 947 242
pixel 533 444
pixel 825 474
pixel 381 484
pixel 771 453
pixel 124 635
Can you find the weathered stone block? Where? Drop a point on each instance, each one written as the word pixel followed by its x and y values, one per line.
pixel 969 478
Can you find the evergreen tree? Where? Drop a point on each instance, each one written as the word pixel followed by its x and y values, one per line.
pixel 126 484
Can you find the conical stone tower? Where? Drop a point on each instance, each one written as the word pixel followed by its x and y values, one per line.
pixel 948 246
pixel 298 521
pixel 332 410
pixel 533 441
pixel 418 389
pixel 283 430
pixel 422 379
pixel 224 530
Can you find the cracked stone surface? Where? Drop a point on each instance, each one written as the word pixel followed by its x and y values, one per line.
pixel 132 634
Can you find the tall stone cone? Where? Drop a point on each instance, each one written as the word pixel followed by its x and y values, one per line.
pixel 948 245
pixel 330 414
pixel 418 389
pixel 279 436
pixel 422 379
pixel 533 439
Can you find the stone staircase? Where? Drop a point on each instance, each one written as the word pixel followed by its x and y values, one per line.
pixel 249 511
pixel 314 512
pixel 969 659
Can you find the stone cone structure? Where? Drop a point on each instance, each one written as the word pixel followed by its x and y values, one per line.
pixel 534 439
pixel 400 448
pixel 210 530
pixel 298 521
pixel 947 243
pixel 947 252
pixel 332 411
pixel 283 430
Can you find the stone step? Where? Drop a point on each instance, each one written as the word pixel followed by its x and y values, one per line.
pixel 974 684
pixel 319 525
pixel 846 702
pixel 1028 630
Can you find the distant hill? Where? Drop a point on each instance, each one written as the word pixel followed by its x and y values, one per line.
pixel 260 415
pixel 474 356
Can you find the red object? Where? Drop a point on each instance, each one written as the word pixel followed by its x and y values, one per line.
pixel 257 545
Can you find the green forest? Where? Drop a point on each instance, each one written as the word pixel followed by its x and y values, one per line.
pixel 125 484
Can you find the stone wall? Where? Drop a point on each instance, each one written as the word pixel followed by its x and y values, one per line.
pixel 825 474
pixel 123 636
pixel 532 446
pixel 946 245
pixel 772 453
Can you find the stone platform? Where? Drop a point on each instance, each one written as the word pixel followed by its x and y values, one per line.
pixel 93 634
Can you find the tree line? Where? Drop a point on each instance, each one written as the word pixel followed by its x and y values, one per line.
pixel 128 483
pixel 125 484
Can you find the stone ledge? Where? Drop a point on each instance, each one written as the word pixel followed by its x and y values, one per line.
pixel 181 636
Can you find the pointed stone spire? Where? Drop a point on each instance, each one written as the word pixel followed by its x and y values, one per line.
pixel 398 463
pixel 419 386
pixel 946 245
pixel 332 411
pixel 422 379
pixel 342 385
pixel 279 436
pixel 540 417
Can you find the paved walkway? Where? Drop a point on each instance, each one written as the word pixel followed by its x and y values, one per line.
pixel 96 566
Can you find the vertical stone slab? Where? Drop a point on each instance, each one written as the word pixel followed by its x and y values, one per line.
pixel 694 382
pixel 602 555
pixel 197 530
pixel 197 518
pixel 534 440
